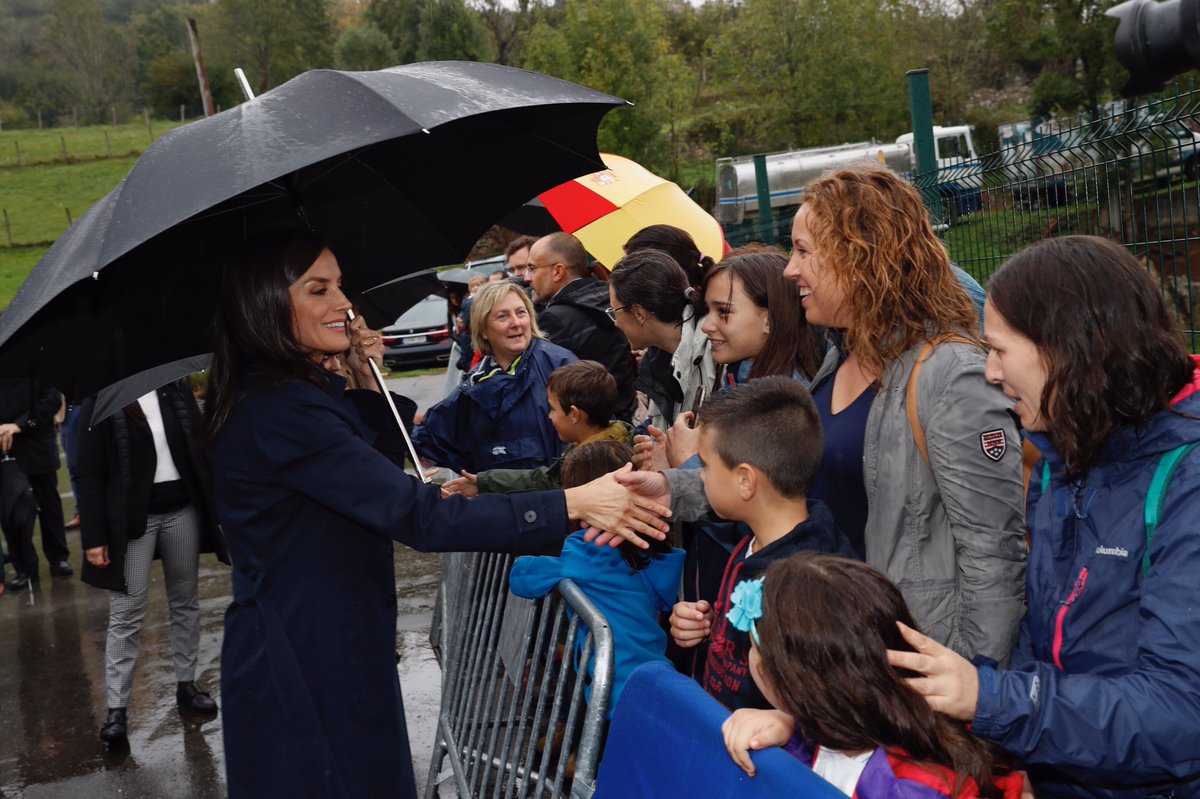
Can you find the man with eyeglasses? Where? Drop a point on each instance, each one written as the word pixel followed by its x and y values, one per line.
pixel 572 314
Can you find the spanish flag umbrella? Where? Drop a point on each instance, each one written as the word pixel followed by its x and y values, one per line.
pixel 604 209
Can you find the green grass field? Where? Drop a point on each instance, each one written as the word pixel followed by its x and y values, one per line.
pixel 41 195
pixel 82 144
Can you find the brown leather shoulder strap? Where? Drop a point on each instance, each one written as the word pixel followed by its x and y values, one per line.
pixel 914 420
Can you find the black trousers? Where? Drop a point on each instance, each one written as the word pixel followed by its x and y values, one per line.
pixel 50 514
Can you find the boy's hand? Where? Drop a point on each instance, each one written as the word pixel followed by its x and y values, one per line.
pixel 467 485
pixel 691 623
pixel 650 452
pixel 749 729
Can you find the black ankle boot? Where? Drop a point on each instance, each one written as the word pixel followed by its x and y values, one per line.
pixel 115 727
pixel 190 697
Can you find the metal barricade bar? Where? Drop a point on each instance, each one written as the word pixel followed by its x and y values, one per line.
pixel 515 720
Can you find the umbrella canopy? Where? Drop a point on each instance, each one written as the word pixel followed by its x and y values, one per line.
pixel 604 209
pixel 382 164
pixel 381 305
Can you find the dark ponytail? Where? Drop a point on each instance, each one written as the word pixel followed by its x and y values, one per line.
pixel 676 243
pixel 651 279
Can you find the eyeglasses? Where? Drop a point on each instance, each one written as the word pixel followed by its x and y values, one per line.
pixel 611 312
pixel 532 267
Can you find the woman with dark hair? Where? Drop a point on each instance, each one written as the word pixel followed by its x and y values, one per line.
pixel 678 244
pixel 753 326
pixel 820 626
pixel 656 308
pixel 310 495
pixel 921 470
pixel 1102 696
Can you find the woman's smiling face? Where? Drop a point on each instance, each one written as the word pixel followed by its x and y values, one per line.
pixel 508 328
pixel 736 327
pixel 319 308
pixel 821 291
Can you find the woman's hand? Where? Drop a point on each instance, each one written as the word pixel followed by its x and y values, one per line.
pixel 467 485
pixel 691 623
pixel 651 485
pixel 950 684
pixel 650 452
pixel 365 345
pixel 607 504
pixel 682 440
pixel 749 729
pixel 7 431
pixel 98 557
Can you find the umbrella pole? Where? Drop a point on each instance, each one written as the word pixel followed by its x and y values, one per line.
pixel 387 396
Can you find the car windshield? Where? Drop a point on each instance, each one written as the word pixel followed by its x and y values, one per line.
pixel 428 312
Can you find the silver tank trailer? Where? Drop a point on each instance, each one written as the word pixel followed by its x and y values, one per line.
pixel 788 172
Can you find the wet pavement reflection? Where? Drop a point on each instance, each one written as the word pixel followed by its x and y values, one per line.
pixel 52 698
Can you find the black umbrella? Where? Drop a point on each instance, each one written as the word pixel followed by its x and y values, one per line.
pixel 531 218
pixel 415 161
pixel 381 305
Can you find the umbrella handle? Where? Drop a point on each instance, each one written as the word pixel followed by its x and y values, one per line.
pixel 387 396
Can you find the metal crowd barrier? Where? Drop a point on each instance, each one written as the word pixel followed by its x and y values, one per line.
pixel 514 720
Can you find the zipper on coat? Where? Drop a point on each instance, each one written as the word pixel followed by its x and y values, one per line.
pixel 1056 651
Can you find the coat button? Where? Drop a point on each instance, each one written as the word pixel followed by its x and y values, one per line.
pixel 530 516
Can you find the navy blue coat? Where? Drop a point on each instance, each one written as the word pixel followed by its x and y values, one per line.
pixel 498 423
pixel 310 694
pixel 1102 697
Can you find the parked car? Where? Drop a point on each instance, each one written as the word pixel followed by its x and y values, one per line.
pixel 420 336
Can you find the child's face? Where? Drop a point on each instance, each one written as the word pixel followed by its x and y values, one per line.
pixel 735 326
pixel 760 678
pixel 561 419
pixel 720 482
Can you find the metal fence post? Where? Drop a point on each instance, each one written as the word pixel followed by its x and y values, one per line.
pixel 920 105
pixel 766 218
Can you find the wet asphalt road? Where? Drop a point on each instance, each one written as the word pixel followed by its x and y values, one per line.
pixel 52 698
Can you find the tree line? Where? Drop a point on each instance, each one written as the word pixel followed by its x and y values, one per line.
pixel 722 77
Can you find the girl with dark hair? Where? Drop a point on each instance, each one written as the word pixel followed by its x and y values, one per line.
pixel 657 310
pixel 678 244
pixel 752 318
pixel 820 627
pixel 753 326
pixel 310 493
pixel 1102 696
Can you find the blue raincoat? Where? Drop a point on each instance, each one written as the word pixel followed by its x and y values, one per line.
pixel 501 422
pixel 1102 697
pixel 630 601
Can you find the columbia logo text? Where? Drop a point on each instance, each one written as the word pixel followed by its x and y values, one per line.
pixel 1120 552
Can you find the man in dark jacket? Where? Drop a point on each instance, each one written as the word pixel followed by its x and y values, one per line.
pixel 573 311
pixel 27 409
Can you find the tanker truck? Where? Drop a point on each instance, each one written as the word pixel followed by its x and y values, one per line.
pixel 959 178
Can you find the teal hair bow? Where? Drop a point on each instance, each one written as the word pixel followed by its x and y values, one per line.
pixel 746 607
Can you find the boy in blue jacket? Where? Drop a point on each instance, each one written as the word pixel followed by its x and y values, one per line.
pixel 760 448
pixel 628 585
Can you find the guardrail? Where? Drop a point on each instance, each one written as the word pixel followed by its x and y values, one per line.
pixel 514 720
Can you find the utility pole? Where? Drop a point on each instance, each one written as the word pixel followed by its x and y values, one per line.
pixel 201 70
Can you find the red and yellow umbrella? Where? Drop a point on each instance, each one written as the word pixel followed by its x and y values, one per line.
pixel 605 208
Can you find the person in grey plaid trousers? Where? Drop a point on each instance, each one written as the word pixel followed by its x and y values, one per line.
pixel 144 492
